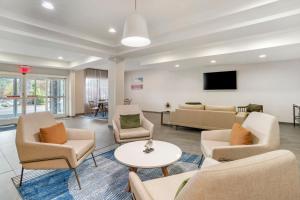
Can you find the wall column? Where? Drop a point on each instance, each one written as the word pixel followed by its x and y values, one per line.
pixel 71 97
pixel 115 85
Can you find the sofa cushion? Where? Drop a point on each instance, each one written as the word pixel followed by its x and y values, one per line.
pixel 220 108
pixel 192 107
pixel 80 146
pixel 134 133
pixel 240 135
pixel 209 145
pixel 166 187
pixel 55 134
pixel 130 121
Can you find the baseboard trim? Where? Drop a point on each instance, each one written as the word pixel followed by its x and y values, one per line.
pixel 149 111
pixel 289 123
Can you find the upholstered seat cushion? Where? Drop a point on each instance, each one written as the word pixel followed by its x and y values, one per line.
pixel 134 133
pixel 166 187
pixel 80 146
pixel 209 145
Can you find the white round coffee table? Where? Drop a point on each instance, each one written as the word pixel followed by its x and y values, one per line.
pixel 132 155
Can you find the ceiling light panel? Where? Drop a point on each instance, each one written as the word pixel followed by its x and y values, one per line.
pixel 48 5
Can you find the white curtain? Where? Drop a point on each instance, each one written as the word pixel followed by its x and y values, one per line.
pixel 96 85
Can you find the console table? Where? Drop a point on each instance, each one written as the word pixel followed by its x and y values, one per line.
pixel 296 113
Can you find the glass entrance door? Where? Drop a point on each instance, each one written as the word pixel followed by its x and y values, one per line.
pixel 48 94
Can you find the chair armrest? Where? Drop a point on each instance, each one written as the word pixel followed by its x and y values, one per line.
pixel 235 152
pixel 148 125
pixel 80 134
pixel 137 188
pixel 208 162
pixel 37 150
pixel 116 131
pixel 218 135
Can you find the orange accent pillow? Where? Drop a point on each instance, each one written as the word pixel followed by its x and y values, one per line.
pixel 240 135
pixel 56 134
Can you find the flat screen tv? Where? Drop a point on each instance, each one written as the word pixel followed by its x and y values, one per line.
pixel 225 80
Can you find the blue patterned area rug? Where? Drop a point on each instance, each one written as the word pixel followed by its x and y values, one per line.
pixel 108 181
pixel 8 127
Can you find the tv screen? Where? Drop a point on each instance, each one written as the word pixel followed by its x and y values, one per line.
pixel 225 80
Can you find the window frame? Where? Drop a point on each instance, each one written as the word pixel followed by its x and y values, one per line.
pixel 35 77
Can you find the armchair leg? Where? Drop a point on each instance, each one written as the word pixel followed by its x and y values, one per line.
pixel 21 179
pixel 77 178
pixel 94 160
pixel 201 160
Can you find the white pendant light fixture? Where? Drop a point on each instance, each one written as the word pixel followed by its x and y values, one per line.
pixel 135 33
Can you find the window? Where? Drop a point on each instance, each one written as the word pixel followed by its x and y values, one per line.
pixel 36 95
pixel 10 100
pixel 96 85
pixel 56 96
pixel 42 95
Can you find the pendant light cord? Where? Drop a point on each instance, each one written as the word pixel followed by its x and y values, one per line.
pixel 135 5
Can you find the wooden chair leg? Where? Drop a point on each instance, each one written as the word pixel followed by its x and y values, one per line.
pixel 77 178
pixel 94 160
pixel 21 179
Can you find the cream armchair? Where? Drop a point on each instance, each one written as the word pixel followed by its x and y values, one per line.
pixel 34 154
pixel 270 176
pixel 264 127
pixel 128 135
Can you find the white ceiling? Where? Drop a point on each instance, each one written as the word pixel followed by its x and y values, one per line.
pixel 183 32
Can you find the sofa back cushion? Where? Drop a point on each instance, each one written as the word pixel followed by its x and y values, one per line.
pixel 273 175
pixel 55 134
pixel 192 107
pixel 220 108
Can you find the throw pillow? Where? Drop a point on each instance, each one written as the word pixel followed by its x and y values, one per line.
pixel 254 108
pixel 55 134
pixel 240 135
pixel 130 121
pixel 181 186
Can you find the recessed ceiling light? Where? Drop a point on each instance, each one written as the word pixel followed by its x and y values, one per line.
pixel 48 5
pixel 213 61
pixel 177 66
pixel 263 56
pixel 112 30
pixel 60 58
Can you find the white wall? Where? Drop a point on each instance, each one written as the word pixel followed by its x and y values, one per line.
pixel 275 85
pixel 116 88
pixel 35 70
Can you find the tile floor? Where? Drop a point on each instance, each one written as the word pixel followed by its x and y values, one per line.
pixel 187 139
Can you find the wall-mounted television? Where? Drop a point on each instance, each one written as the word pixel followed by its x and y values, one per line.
pixel 225 80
